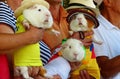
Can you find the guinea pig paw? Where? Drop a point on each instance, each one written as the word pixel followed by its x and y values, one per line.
pixel 48 76
pixel 56 32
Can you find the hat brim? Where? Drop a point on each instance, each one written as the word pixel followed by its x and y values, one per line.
pixel 26 5
pixel 90 16
pixel 95 10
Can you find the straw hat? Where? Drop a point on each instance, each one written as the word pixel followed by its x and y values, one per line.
pixel 28 3
pixel 89 4
pixel 88 16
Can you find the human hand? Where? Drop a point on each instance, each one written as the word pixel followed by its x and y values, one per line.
pixel 87 40
pixel 85 75
pixel 54 77
pixel 35 34
pixel 74 65
pixel 33 71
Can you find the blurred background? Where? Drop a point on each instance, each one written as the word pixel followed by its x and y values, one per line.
pixel 65 3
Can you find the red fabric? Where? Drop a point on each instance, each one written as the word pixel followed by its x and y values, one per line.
pixel 93 53
pixel 53 57
pixel 4 69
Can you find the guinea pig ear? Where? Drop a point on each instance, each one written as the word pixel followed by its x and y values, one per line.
pixel 64 46
pixel 34 6
pixel 81 43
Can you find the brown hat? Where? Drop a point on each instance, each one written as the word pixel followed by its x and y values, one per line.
pixel 88 16
pixel 28 3
pixel 88 4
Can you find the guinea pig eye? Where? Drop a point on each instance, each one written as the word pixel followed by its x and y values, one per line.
pixel 39 9
pixel 70 47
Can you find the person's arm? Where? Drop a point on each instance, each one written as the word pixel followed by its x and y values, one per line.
pixel 10 41
pixel 109 67
pixel 86 41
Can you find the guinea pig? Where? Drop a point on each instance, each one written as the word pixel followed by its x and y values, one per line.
pixel 80 23
pixel 73 50
pixel 38 16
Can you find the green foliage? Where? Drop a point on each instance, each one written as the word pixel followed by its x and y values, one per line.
pixel 65 3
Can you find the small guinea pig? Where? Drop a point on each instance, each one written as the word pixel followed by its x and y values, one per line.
pixel 73 50
pixel 38 16
pixel 80 23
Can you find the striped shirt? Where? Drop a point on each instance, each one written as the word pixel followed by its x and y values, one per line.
pixel 7 16
pixel 45 52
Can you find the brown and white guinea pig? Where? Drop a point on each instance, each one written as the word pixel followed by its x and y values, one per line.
pixel 73 50
pixel 38 16
pixel 79 23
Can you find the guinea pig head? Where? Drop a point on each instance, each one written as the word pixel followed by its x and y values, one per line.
pixel 73 50
pixel 39 16
pixel 81 20
pixel 78 23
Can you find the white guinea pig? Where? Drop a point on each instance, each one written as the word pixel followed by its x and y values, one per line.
pixel 73 50
pixel 79 23
pixel 38 16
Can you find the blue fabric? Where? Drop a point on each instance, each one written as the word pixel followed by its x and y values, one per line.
pixel 7 16
pixel 45 52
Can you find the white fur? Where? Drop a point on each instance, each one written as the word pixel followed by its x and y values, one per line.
pixel 23 70
pixel 73 50
pixel 39 16
pixel 79 23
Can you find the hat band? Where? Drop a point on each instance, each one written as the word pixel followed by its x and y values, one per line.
pixel 87 15
pixel 75 4
pixel 82 6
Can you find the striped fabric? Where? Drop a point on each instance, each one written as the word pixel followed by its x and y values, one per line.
pixel 7 16
pixel 45 52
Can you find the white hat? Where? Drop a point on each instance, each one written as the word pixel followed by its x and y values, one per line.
pixel 28 3
pixel 88 3
pixel 83 4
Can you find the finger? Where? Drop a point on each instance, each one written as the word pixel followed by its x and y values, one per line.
pixel 57 76
pixel 35 71
pixel 39 77
pixel 87 42
pixel 84 74
pixel 88 33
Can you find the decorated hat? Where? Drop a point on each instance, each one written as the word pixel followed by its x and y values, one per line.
pixel 86 4
pixel 89 16
pixel 28 3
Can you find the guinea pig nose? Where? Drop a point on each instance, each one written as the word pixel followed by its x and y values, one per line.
pixel 75 54
pixel 79 19
pixel 47 15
